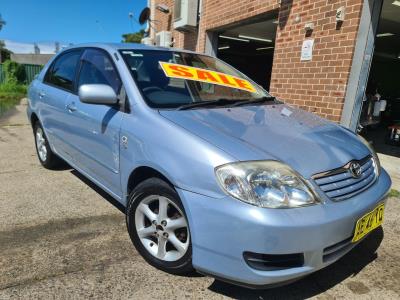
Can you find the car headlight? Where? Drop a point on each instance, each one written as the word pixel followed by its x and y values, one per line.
pixel 375 157
pixel 269 184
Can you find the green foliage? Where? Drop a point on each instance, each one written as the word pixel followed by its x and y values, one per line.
pixel 394 193
pixel 133 37
pixel 11 92
pixel 9 99
pixel 13 72
pixel 12 88
pixel 4 53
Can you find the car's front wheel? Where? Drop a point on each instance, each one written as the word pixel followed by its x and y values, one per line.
pixel 158 226
pixel 46 157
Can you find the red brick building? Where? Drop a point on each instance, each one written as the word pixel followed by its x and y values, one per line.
pixel 264 38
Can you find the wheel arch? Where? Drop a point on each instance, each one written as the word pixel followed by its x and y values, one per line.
pixel 34 118
pixel 141 173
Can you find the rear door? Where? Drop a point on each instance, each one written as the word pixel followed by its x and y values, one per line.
pixel 54 92
pixel 97 126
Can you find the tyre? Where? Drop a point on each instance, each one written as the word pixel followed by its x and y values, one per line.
pixel 158 227
pixel 46 157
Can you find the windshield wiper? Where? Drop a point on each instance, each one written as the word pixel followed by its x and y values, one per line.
pixel 255 101
pixel 218 102
pixel 224 101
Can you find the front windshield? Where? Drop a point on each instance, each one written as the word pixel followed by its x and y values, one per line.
pixel 169 79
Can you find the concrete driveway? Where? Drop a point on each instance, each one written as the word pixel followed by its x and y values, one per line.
pixel 60 237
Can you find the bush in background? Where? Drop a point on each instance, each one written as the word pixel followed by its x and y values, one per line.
pixel 14 72
pixel 13 89
pixel 9 100
pixel 14 78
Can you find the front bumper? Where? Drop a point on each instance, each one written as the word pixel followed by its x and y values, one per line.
pixel 223 229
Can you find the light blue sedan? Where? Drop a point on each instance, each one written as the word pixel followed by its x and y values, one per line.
pixel 216 175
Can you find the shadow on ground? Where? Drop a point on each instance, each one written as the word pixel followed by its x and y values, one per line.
pixel 319 282
pixel 98 190
pixel 378 136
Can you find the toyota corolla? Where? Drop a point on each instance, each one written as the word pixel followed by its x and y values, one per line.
pixel 216 174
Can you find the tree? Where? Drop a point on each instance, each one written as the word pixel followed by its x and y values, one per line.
pixel 1 50
pixel 2 23
pixel 133 37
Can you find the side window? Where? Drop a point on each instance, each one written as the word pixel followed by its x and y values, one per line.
pixel 97 68
pixel 62 72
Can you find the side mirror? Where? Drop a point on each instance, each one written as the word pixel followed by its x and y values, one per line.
pixel 97 94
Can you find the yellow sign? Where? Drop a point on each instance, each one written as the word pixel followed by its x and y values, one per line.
pixel 368 222
pixel 204 75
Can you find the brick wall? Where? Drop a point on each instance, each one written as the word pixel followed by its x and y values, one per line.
pixel 217 13
pixel 318 85
pixel 184 40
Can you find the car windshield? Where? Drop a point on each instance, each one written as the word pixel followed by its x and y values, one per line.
pixel 172 79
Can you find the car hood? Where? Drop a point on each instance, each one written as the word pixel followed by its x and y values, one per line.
pixel 304 141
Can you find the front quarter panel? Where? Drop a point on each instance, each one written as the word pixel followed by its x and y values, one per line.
pixel 186 160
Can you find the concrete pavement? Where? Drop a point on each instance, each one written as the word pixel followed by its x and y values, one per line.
pixel 60 238
pixel 392 166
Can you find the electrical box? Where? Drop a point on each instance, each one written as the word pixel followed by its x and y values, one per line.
pixel 164 39
pixel 340 14
pixel 147 41
pixel 185 14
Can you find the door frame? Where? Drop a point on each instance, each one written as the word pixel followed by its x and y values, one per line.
pixel 362 59
pixel 211 46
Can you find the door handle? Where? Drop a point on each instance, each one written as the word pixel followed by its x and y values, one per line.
pixel 41 95
pixel 71 107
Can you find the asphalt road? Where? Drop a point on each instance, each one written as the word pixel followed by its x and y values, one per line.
pixel 60 237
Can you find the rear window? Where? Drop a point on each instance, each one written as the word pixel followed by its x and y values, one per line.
pixel 62 72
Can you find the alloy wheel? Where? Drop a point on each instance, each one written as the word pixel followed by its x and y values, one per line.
pixel 162 228
pixel 41 144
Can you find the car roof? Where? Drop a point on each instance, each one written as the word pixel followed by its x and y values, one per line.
pixel 121 46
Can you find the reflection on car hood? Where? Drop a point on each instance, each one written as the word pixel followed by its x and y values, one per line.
pixel 306 142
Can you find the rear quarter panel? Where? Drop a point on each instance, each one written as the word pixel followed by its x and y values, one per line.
pixel 33 91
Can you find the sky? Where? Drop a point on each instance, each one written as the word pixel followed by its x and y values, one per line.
pixel 66 21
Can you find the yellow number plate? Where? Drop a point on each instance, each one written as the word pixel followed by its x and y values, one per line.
pixel 368 222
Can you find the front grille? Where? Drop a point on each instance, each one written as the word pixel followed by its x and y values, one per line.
pixel 339 184
pixel 336 250
pixel 273 262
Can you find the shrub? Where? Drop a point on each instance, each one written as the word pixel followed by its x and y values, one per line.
pixel 8 100
pixel 13 72
pixel 394 193
pixel 13 87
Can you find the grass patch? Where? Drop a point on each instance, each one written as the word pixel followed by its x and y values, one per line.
pixel 9 100
pixel 10 95
pixel 394 193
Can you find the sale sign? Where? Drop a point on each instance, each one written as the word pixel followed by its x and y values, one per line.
pixel 203 75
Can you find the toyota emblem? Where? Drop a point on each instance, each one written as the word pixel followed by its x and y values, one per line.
pixel 355 169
